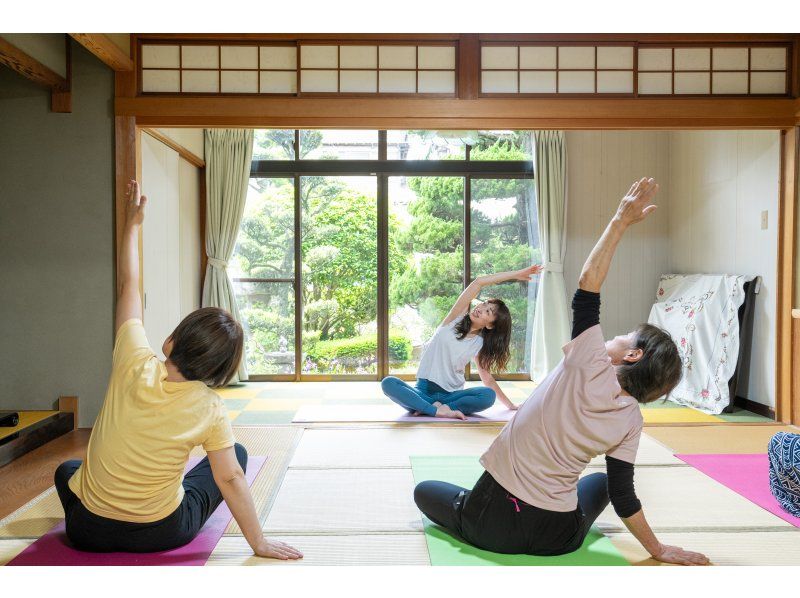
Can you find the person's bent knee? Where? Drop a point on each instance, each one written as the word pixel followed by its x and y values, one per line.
pixel 422 494
pixel 389 383
pixel 241 455
pixel 486 398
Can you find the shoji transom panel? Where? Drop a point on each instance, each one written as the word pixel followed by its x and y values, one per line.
pixel 633 69
pixel 431 68
pixel 299 68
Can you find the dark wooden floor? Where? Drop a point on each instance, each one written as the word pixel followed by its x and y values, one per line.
pixel 30 475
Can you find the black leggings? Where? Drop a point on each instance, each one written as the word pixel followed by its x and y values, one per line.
pixel 492 519
pixel 93 533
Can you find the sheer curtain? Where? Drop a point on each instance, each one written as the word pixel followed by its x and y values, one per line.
pixel 551 319
pixel 228 156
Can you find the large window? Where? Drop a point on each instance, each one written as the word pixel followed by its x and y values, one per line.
pixel 354 245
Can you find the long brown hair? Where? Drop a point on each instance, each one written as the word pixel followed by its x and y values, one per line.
pixel 494 353
pixel 207 345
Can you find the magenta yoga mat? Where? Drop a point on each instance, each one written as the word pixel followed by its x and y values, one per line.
pixel 389 413
pixel 54 549
pixel 747 475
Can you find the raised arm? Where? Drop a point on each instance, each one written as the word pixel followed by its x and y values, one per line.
pixel 462 304
pixel 633 208
pixel 129 301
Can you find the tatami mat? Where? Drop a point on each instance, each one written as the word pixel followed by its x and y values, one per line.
pixel 683 499
pixel 365 549
pixel 35 518
pixel 388 447
pixel 391 447
pixel 718 439
pixel 11 548
pixel 739 548
pixel 344 501
pixel 278 444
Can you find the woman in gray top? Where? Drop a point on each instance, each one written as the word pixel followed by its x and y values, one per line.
pixel 485 332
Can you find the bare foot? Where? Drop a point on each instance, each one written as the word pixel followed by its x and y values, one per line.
pixel 445 411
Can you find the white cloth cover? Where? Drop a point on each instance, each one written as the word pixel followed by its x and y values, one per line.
pixel 700 312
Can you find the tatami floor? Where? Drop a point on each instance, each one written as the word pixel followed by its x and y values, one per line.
pixel 342 493
pixel 261 403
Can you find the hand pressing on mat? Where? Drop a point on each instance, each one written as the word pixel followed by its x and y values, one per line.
pixel 679 556
pixel 273 549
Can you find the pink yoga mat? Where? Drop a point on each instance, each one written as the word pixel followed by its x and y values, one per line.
pixel 747 475
pixel 389 413
pixel 54 549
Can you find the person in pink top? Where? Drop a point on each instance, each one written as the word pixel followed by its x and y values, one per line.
pixel 531 498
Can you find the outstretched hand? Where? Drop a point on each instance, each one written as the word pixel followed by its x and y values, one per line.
pixel 526 274
pixel 134 211
pixel 636 206
pixel 678 556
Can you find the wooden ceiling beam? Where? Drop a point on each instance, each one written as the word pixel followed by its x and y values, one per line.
pixel 398 113
pixel 101 46
pixel 30 68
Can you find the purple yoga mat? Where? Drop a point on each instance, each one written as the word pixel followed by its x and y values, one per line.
pixel 389 413
pixel 54 549
pixel 747 475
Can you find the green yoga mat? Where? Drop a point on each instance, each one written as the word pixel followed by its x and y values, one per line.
pixel 444 549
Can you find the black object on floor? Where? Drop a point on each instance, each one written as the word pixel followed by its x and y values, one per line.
pixel 9 419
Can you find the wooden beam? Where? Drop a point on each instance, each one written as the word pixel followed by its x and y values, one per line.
pixel 510 113
pixel 184 153
pixel 786 272
pixel 69 405
pixel 469 65
pixel 30 68
pixel 101 46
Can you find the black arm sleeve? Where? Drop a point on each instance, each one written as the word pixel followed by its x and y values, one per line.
pixel 620 487
pixel 585 311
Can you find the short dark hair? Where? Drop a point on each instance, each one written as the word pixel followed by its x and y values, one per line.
pixel 207 346
pixel 658 371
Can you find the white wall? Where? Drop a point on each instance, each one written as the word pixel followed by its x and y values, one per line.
pixel 601 167
pixel 721 182
pixel 192 139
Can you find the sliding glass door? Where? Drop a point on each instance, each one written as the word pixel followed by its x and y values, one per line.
pixel 355 244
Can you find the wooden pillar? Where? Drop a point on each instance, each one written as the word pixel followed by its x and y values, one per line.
pixel 784 398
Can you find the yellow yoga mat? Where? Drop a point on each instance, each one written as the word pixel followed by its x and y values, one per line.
pixel 718 439
pixel 683 415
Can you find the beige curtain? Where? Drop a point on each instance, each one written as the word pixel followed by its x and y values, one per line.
pixel 551 319
pixel 228 156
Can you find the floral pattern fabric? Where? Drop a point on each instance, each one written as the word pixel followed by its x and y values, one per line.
pixel 700 311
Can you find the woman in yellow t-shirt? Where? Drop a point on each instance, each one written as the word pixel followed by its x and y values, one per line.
pixel 130 494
